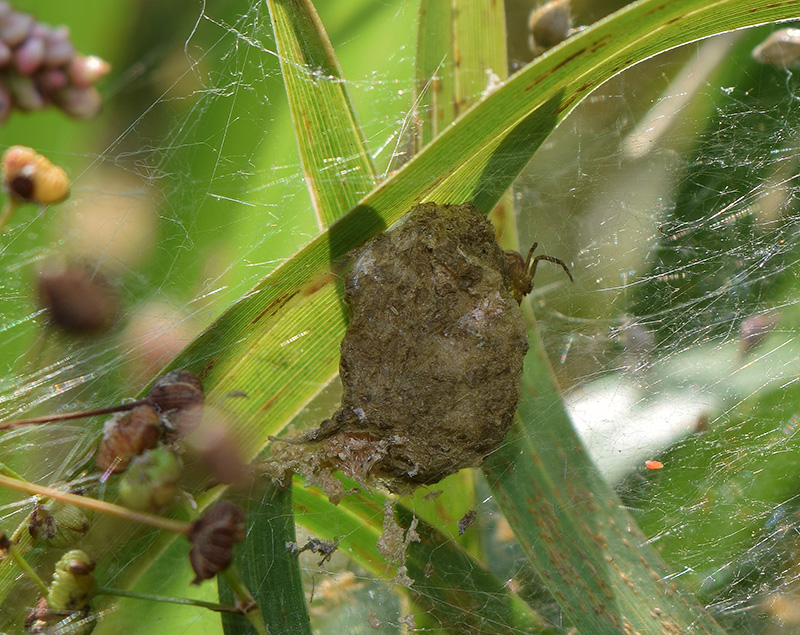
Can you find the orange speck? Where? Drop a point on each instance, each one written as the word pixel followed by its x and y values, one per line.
pixel 654 465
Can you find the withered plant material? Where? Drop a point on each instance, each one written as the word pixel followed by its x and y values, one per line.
pixel 213 537
pixel 128 434
pixel 176 390
pixel 466 521
pixel 431 360
pixel 315 545
pixel 393 544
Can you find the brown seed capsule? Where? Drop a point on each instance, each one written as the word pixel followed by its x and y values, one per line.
pixel 31 178
pixel 126 435
pixel 213 537
pixel 58 524
pixel 432 357
pixel 176 390
pixel 77 300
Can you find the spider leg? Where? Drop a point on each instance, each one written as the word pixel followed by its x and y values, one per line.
pixel 528 260
pixel 549 259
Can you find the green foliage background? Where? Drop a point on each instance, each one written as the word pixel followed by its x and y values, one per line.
pixel 197 108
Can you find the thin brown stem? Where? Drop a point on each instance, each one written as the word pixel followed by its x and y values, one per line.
pixel 103 507
pixel 73 415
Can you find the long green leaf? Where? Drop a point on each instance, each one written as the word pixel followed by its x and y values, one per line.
pixel 269 571
pixel 455 588
pixel 336 165
pixel 279 343
pixel 585 547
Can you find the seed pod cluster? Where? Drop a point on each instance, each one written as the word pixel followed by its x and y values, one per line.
pixel 29 177
pixel 39 67
pixel 213 537
pixel 129 434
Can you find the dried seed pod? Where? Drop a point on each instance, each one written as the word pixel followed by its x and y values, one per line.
pixel 432 357
pixel 58 524
pixel 781 48
pixel 549 24
pixel 77 300
pixel 205 434
pixel 213 537
pixel 31 178
pixel 176 390
pixel 127 434
pixel 151 481
pixel 73 585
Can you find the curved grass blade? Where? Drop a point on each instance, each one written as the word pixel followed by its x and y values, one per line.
pixel 279 343
pixel 586 548
pixel 268 571
pixel 336 165
pixel 449 584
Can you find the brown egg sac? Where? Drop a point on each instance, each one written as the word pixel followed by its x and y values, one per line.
pixel 431 360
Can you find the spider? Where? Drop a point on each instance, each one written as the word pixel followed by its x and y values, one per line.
pixel 521 271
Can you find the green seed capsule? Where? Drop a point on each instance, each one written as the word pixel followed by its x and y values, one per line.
pixel 73 583
pixel 151 481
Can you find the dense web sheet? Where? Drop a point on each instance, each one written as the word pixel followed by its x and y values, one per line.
pixel 671 192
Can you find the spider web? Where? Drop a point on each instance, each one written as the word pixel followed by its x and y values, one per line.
pixel 671 192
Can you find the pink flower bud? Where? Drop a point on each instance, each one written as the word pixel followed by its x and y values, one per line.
pixel 59 50
pixel 81 103
pixel 85 71
pixel 14 27
pixel 50 81
pixel 24 92
pixel 29 55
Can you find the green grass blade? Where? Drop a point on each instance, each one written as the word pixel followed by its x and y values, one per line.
pixel 434 86
pixel 279 343
pixel 336 165
pixel 588 551
pixel 450 584
pixel 272 577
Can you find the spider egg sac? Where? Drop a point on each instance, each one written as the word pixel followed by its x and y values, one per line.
pixel 432 357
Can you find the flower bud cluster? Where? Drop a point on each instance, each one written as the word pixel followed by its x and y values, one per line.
pixel 39 66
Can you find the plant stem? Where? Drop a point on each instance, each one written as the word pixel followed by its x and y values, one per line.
pixel 73 415
pixel 126 593
pixel 110 509
pixel 245 601
pixel 7 212
pixel 20 561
